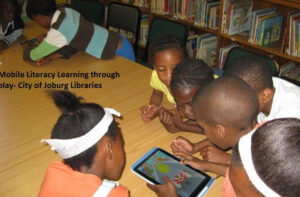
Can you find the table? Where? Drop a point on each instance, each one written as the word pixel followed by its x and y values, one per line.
pixel 27 116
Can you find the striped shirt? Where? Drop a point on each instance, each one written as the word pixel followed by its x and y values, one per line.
pixel 70 32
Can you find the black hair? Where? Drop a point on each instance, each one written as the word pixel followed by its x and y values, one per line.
pixel 276 155
pixel 3 4
pixel 227 100
pixel 193 72
pixel 42 7
pixel 254 70
pixel 165 42
pixel 77 119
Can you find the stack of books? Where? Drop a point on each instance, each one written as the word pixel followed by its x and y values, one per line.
pixel 203 13
pixel 144 30
pixel 236 16
pixel 293 35
pixel 207 13
pixel 203 47
pixel 266 27
pixel 141 3
pixel 290 70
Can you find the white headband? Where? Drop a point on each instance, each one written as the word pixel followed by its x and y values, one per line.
pixel 246 157
pixel 71 147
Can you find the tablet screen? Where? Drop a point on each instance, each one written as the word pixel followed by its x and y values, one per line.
pixel 188 181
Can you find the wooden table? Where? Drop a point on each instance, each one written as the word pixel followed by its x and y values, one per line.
pixel 27 116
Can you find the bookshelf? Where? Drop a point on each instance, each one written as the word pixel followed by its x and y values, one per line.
pixel 275 50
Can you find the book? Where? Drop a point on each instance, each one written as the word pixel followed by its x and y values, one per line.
pixel 255 16
pixel 239 19
pixel 271 30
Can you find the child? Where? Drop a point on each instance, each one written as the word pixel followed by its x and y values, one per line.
pixel 266 162
pixel 188 76
pixel 226 109
pixel 11 25
pixel 164 54
pixel 70 32
pixel 90 142
pixel 277 98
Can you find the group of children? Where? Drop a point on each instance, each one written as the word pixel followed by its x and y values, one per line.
pixel 68 33
pixel 246 109
pixel 227 110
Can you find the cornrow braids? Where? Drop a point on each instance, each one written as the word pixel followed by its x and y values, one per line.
pixel 193 72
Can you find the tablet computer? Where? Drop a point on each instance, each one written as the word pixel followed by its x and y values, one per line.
pixel 157 163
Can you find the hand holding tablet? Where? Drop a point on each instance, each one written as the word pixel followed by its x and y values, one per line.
pixel 157 163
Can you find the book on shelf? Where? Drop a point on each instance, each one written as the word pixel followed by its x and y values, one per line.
pixel 202 47
pixel 270 30
pixel 224 53
pixel 255 15
pixel 144 30
pixel 141 3
pixel 203 13
pixel 236 16
pixel 292 38
pixel 266 27
pixel 290 70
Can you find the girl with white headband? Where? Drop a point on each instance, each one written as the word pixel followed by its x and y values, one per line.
pixel 266 162
pixel 88 139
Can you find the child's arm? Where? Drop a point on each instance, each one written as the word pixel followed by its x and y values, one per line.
pixel 165 118
pixel 199 164
pixel 156 97
pixel 181 144
pixel 186 125
pixel 213 154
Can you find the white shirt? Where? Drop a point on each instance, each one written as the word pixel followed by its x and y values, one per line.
pixel 12 37
pixel 286 101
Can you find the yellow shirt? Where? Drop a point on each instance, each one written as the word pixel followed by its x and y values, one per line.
pixel 157 84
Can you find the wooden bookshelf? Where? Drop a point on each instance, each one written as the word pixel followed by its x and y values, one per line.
pixel 275 50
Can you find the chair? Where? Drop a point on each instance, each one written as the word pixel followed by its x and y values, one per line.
pixel 238 51
pixel 125 17
pixel 91 10
pixel 160 27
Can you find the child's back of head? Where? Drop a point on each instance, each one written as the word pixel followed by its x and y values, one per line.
pixel 254 70
pixel 227 108
pixel 191 72
pixel 76 120
pixel 88 139
pixel 269 158
pixel 188 77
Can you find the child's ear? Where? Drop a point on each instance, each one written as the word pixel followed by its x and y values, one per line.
pixel 220 131
pixel 108 151
pixel 266 95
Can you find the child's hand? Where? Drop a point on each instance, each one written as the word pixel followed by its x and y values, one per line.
pixel 181 144
pixel 177 119
pixel 192 161
pixel 213 154
pixel 49 58
pixel 149 112
pixel 166 190
pixel 166 118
